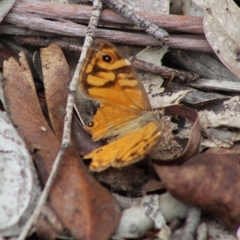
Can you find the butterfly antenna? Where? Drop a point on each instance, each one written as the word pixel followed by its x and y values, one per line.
pixel 79 116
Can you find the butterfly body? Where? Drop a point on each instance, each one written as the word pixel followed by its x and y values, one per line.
pixel 124 114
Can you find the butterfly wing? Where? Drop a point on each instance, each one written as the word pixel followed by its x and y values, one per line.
pixel 126 150
pixel 110 121
pixel 124 109
pixel 109 78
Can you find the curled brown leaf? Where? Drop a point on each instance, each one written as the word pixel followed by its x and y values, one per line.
pixel 192 146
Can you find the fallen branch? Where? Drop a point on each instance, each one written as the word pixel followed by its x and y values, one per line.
pixel 82 13
pixel 184 42
pixel 148 26
pixel 51 19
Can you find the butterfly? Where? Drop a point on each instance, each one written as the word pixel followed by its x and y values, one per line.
pixel 124 115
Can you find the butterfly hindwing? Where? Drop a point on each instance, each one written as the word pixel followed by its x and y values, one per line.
pixel 126 150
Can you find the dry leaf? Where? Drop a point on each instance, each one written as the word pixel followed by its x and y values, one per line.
pixel 152 82
pixel 215 175
pixel 221 124
pixel 217 138
pixel 192 146
pixel 225 115
pixel 196 97
pixel 80 202
pixel 167 98
pixel 147 213
pixel 206 65
pixel 221 27
pixel 5 7
pixel 49 225
pixel 56 77
pixel 216 84
pixel 19 186
pixel 216 231
pixel 142 217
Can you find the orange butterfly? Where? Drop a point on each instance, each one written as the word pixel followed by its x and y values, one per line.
pixel 125 115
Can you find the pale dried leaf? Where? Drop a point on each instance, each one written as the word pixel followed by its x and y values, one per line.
pixel 148 212
pixel 185 131
pixel 18 189
pixel 204 64
pixel 228 116
pixel 166 202
pixel 221 26
pixel 217 231
pixel 192 222
pixel 201 231
pixel 152 55
pixel 215 124
pixel 152 85
pixel 144 214
pixel 191 9
pixel 167 98
pixel 165 233
pixel 195 97
pixel 152 82
pixel 220 138
pixel 172 208
pixel 151 208
pixel 216 85
pixel 133 218
pixel 5 7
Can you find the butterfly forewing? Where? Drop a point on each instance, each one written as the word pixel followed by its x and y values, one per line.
pixel 109 78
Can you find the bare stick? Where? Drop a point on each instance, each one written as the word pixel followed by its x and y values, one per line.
pixel 165 72
pixel 150 27
pixel 97 7
pixel 82 13
pixel 189 42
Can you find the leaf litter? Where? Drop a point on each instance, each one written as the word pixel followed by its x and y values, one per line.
pixel 214 172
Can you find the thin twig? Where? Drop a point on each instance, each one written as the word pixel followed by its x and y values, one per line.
pixel 165 72
pixel 150 27
pixel 66 139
